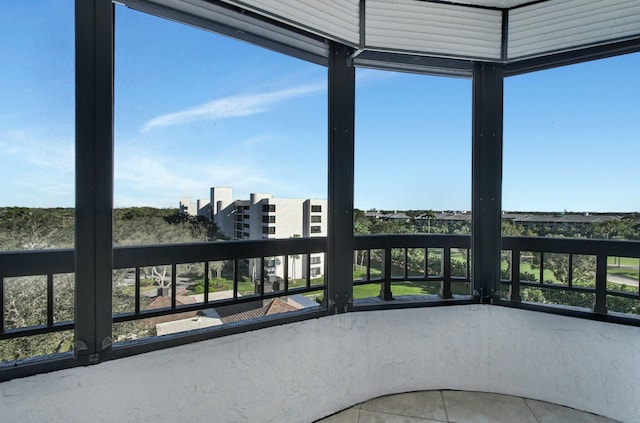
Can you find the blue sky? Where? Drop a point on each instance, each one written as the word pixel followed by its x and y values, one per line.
pixel 194 109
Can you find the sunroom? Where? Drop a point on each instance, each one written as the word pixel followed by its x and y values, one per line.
pixel 476 332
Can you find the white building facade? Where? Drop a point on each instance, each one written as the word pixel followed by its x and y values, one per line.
pixel 263 216
pixel 201 207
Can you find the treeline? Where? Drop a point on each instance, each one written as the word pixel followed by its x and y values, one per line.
pixel 23 228
pixel 628 227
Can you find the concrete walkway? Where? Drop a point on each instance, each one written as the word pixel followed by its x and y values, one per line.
pixel 460 407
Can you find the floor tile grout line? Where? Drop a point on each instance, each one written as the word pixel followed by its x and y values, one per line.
pixel 444 405
pixel 529 407
pixel 402 415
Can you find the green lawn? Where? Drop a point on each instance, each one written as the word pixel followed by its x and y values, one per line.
pixel 130 290
pixel 360 272
pixel 526 268
pixel 222 284
pixel 624 261
pixel 397 288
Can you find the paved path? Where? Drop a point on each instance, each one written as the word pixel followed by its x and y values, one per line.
pixel 622 280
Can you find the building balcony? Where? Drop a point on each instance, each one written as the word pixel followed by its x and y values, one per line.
pixel 306 364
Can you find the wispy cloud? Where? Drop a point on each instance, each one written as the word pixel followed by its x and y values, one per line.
pixel 153 178
pixel 37 167
pixel 233 106
pixel 45 148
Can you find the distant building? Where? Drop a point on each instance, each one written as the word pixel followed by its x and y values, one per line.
pixel 558 220
pixel 263 216
pixel 397 217
pixel 534 221
pixel 201 207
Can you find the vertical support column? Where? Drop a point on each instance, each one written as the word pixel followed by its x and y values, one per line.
pixel 341 160
pixel 94 177
pixel 486 231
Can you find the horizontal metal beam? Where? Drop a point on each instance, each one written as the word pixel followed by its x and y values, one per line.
pixel 149 255
pixel 414 64
pixel 573 246
pixel 549 61
pixel 28 263
pixel 368 242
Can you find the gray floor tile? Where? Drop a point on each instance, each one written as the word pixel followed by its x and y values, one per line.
pixel 369 416
pixel 350 415
pixel 552 413
pixel 425 404
pixel 478 407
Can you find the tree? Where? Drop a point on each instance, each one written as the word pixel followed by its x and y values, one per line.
pixel 429 215
pixel 361 223
pixel 24 228
pixel 216 266
pixel 584 268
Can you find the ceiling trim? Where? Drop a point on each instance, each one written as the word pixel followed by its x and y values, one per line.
pixel 570 57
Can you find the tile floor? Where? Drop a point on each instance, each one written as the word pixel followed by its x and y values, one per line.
pixel 460 407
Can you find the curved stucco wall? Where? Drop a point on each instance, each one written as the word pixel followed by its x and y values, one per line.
pixel 306 370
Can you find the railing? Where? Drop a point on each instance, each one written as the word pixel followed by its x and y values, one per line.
pixel 48 264
pixel 395 259
pixel 565 276
pixel 235 253
pixel 34 263
pixel 574 273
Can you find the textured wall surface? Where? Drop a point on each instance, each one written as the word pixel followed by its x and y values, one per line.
pixel 306 370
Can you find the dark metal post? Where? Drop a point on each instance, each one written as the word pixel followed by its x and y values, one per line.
pixel 341 160
pixel 94 177
pixel 600 304
pixel 487 180
pixel 445 286
pixel 514 294
pixel 385 288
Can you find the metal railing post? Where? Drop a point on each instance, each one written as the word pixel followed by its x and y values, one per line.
pixel 385 289
pixel 445 288
pixel 514 294
pixel 600 305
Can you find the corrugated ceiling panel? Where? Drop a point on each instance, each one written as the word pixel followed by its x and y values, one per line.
pixel 335 19
pixel 435 28
pixel 220 19
pixel 562 25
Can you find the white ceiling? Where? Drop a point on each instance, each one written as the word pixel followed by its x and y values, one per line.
pixel 435 28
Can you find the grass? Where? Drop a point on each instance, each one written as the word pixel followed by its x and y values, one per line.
pixel 130 290
pixel 360 272
pixel 222 284
pixel 623 261
pixel 548 275
pixel 397 288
